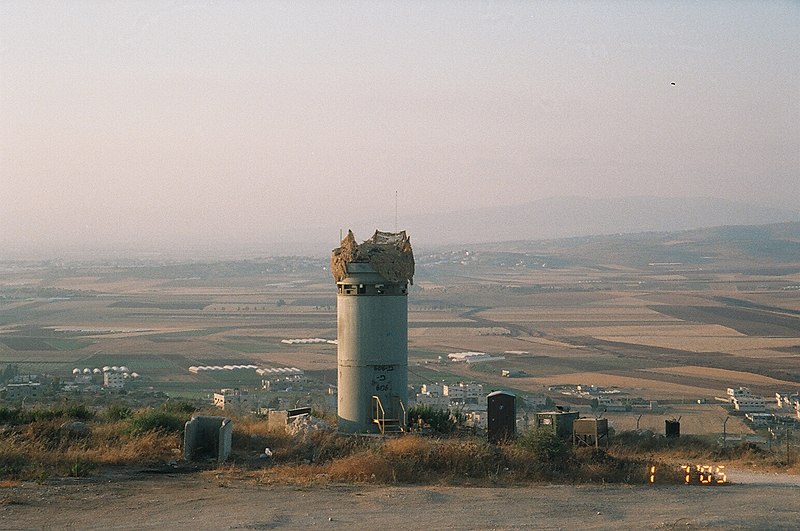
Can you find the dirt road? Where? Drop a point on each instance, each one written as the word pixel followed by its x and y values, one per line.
pixel 189 501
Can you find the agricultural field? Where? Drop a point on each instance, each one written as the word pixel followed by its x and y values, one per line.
pixel 676 334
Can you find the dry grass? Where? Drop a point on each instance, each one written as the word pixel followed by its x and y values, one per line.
pixel 111 445
pixel 723 375
pixel 408 459
pixel 701 450
pixel 679 341
pixel 43 448
pixel 363 467
pixel 454 461
pixel 695 420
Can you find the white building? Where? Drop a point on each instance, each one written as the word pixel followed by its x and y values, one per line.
pixel 441 395
pixel 434 401
pixel 610 404
pixel 463 391
pixel 463 356
pixel 83 379
pixel 477 419
pixel 785 399
pixel 750 404
pixel 740 392
pixel 114 380
pixel 15 391
pixel 432 394
pixel 24 379
pixel 760 419
pixel 234 399
pixel 434 389
pixel 453 392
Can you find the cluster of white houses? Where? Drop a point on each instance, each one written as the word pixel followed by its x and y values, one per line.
pixel 743 400
pixel 113 377
pixel 23 386
pixel 232 399
pixel 31 386
pixel 467 397
pixel 276 378
pixel 441 395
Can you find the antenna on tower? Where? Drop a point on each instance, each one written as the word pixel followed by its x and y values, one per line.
pixel 395 210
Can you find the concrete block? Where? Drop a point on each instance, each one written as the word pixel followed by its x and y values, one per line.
pixel 207 437
pixel 225 438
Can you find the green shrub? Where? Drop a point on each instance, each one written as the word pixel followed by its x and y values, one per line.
pixel 70 412
pixel 690 445
pixel 440 421
pixel 180 407
pixel 545 445
pixel 11 416
pixel 80 468
pixel 158 420
pixel 116 412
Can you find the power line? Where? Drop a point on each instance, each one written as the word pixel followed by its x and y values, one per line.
pixel 428 380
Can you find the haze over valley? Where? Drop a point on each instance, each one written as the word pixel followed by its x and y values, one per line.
pixel 205 129
pixel 603 202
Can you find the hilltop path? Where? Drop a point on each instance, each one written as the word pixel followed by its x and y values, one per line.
pixel 190 501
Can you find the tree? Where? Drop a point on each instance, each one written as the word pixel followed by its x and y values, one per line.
pixel 545 445
pixel 440 421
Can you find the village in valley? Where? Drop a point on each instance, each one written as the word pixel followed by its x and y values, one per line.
pixel 712 344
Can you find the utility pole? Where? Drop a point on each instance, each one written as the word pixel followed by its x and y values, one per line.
pixel 788 459
pixel 725 433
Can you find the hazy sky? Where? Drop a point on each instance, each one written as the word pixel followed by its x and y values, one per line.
pixel 155 123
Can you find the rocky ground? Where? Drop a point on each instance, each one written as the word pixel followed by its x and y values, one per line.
pixel 203 501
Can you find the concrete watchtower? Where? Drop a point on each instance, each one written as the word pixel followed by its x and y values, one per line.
pixel 372 321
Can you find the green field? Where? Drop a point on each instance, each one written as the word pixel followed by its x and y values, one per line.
pixel 42 344
pixel 600 312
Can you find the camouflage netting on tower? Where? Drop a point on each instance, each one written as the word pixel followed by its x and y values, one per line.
pixel 389 254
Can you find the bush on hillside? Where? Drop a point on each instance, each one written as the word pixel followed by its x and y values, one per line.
pixel 440 421
pixel 545 446
pixel 158 420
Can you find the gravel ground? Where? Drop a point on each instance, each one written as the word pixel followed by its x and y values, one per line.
pixel 190 501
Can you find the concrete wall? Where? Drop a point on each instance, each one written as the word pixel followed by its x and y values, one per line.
pixel 207 438
pixel 225 440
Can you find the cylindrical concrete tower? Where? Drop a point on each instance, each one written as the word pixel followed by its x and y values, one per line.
pixel 372 320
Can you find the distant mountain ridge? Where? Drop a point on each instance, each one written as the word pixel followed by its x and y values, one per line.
pixel 774 246
pixel 580 216
pixel 544 219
